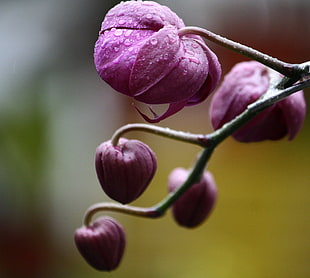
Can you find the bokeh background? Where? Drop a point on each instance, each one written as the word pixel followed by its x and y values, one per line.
pixel 54 111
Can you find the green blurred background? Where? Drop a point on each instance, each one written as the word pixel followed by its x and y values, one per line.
pixel 54 111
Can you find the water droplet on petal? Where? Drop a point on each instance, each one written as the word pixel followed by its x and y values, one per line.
pixel 118 32
pixel 149 16
pixel 153 41
pixel 116 48
pixel 194 60
pixel 127 42
pixel 194 45
pixel 166 56
pixel 184 72
pixel 128 33
pixel 121 21
pixel 172 39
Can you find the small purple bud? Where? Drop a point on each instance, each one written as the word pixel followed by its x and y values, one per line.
pixel 102 243
pixel 196 204
pixel 124 171
pixel 140 54
pixel 244 84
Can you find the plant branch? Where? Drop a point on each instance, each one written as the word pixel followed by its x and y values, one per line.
pixel 197 139
pixel 159 209
pixel 287 69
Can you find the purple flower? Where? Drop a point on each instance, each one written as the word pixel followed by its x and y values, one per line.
pixel 195 205
pixel 102 244
pixel 244 84
pixel 140 54
pixel 124 171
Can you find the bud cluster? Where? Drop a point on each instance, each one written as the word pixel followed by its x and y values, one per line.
pixel 142 53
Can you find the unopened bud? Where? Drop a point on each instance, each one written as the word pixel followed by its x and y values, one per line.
pixel 124 171
pixel 196 204
pixel 101 244
pixel 243 85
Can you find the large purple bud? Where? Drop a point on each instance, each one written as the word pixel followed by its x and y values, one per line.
pixel 243 85
pixel 140 54
pixel 124 171
pixel 196 204
pixel 102 243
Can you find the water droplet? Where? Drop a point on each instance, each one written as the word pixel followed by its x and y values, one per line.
pixel 118 32
pixel 127 42
pixel 166 56
pixel 189 52
pixel 194 60
pixel 121 21
pixel 128 33
pixel 149 16
pixel 116 48
pixel 153 41
pixel 172 39
pixel 194 45
pixel 163 18
pixel 184 72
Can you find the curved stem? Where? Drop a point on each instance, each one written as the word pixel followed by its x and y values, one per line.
pixel 213 139
pixel 290 70
pixel 197 139
pixel 193 178
pixel 105 206
pixel 159 209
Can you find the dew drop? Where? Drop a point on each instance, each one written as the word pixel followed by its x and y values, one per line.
pixel 184 72
pixel 172 39
pixel 128 33
pixel 121 22
pixel 194 45
pixel 166 56
pixel 118 32
pixel 153 41
pixel 194 60
pixel 116 48
pixel 149 16
pixel 127 42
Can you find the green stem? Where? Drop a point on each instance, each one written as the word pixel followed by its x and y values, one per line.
pixel 290 70
pixel 272 96
pixel 159 209
pixel 197 139
pixel 209 142
pixel 107 206
pixel 193 178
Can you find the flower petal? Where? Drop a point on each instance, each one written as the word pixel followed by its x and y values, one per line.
pixel 172 109
pixel 155 59
pixel 184 80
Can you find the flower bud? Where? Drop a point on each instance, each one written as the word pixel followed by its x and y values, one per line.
pixel 101 244
pixel 195 205
pixel 124 171
pixel 244 84
pixel 140 54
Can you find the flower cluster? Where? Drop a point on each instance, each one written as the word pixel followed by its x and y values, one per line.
pixel 145 51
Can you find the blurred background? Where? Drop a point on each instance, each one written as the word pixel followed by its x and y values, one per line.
pixel 54 111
